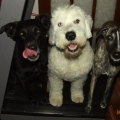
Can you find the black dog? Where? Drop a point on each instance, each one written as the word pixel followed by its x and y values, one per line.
pixel 106 60
pixel 30 59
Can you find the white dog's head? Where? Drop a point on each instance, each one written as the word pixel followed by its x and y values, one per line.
pixel 70 29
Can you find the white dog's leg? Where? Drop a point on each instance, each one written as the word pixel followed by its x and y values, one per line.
pixel 55 91
pixel 77 90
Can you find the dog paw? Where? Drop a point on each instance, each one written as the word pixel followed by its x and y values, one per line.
pixel 77 98
pixel 103 105
pixel 11 92
pixel 34 103
pixel 44 100
pixel 56 101
pixel 88 108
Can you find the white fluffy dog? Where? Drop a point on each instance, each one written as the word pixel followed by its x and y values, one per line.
pixel 71 56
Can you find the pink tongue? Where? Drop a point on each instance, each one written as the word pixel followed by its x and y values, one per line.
pixel 72 46
pixel 29 53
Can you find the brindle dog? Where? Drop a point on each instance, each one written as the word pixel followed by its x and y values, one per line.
pixel 107 59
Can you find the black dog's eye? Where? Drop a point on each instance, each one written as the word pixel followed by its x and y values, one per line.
pixel 22 33
pixel 109 37
pixel 11 27
pixel 37 31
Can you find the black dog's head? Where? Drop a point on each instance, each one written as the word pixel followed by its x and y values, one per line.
pixel 29 35
pixel 110 32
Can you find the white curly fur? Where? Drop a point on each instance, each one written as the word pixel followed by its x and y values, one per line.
pixel 73 69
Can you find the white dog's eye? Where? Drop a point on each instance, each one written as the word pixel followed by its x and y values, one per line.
pixel 60 24
pixel 76 21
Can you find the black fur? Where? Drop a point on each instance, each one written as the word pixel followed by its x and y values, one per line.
pixel 29 35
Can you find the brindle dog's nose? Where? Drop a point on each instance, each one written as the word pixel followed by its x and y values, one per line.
pixel 70 36
pixel 116 55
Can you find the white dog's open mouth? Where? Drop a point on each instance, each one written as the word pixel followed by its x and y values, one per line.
pixel 72 47
pixel 30 54
pixel 73 50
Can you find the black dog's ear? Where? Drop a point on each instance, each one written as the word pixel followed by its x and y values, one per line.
pixel 44 20
pixel 9 28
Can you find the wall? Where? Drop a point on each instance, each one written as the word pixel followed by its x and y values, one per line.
pixel 9 12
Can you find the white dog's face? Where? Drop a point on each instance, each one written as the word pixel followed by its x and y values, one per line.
pixel 69 30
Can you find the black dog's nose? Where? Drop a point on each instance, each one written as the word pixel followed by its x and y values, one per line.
pixel 32 46
pixel 70 36
pixel 116 55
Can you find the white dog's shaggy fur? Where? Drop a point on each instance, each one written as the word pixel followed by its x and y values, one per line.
pixel 71 56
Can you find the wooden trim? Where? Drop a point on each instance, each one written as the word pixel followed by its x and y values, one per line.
pixel 44 6
pixel 71 2
pixel 117 86
pixel 112 113
pixel 117 12
pixel 94 11
pixel 118 80
pixel 0 3
pixel 96 29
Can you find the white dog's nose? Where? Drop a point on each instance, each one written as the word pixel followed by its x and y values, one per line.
pixel 70 36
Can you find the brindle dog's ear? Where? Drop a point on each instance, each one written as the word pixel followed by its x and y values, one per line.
pixel 44 20
pixel 102 32
pixel 9 28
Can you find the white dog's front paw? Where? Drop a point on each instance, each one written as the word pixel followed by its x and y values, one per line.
pixel 77 98
pixel 56 101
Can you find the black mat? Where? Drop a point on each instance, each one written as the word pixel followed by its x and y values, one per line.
pixel 19 103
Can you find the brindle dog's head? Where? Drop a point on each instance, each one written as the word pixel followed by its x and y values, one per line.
pixel 110 32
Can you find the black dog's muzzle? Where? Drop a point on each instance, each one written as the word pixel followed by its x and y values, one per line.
pixel 116 55
pixel 31 52
pixel 32 46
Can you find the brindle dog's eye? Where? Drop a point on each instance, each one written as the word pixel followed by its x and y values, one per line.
pixel 119 31
pixel 109 37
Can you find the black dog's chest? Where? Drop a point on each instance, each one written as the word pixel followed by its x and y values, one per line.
pixel 33 71
pixel 28 71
